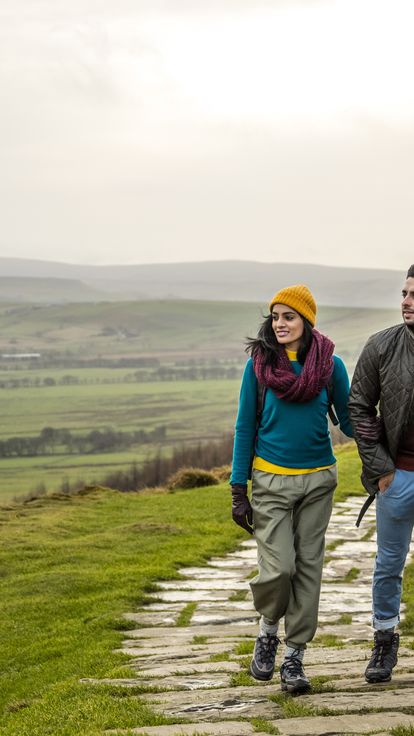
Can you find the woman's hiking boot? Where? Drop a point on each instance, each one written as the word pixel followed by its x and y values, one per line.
pixel 383 657
pixel 262 665
pixel 292 676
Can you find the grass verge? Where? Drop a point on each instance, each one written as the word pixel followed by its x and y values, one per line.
pixel 69 568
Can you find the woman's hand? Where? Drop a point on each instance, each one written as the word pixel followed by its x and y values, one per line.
pixel 241 510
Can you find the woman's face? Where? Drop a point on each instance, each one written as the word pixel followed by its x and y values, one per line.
pixel 287 325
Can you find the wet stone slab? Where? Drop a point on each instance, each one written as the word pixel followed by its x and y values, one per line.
pixel 175 651
pixel 231 606
pixel 392 699
pixel 344 724
pixel 190 596
pixel 168 669
pixel 228 728
pixel 221 618
pixel 184 632
pixel 354 550
pixel 171 682
pixel 159 618
pixel 200 585
pixel 209 573
pixel 230 562
pixel 318 726
pixel 225 703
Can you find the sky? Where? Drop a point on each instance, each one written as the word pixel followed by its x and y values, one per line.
pixel 150 131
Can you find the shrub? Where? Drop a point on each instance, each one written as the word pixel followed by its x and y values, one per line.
pixel 191 478
pixel 223 472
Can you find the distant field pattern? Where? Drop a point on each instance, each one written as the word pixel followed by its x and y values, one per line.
pixel 133 366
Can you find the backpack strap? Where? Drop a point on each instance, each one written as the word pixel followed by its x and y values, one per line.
pixel 260 397
pixel 331 411
pixel 261 391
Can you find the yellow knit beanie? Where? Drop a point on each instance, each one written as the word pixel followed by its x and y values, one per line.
pixel 297 297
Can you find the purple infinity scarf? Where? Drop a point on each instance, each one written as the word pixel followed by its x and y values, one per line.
pixel 315 373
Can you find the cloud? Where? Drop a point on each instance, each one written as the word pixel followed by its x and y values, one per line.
pixel 148 131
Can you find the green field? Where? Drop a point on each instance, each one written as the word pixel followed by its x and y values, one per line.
pixel 166 329
pixel 69 568
pixel 190 410
pixel 64 394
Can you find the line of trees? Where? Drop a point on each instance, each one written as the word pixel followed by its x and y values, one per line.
pixel 51 441
pixel 156 470
pixel 163 373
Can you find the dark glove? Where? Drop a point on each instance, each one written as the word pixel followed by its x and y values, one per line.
pixel 241 510
pixel 370 429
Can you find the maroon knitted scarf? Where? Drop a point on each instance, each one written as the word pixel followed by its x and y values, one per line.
pixel 314 375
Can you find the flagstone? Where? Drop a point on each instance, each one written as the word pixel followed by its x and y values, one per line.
pixel 170 682
pixel 188 667
pixel 174 651
pixel 218 618
pixel 376 699
pixel 214 704
pixel 209 572
pixel 204 584
pixel 154 632
pixel 342 724
pixel 236 728
pixel 227 606
pixel 192 595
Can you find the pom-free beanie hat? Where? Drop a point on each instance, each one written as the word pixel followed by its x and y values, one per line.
pixel 297 297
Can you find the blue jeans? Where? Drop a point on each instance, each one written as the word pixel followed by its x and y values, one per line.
pixel 395 521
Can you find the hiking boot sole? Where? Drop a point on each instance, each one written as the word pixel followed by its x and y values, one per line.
pixel 298 687
pixel 258 675
pixel 377 678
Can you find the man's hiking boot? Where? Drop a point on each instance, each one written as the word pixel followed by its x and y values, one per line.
pixel 292 676
pixel 262 665
pixel 383 657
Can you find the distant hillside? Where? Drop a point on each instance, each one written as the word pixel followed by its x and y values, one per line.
pixel 167 330
pixel 209 280
pixel 49 290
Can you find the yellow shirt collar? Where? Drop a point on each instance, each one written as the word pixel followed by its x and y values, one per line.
pixel 291 354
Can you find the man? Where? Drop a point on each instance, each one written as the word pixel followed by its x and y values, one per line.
pixel 385 374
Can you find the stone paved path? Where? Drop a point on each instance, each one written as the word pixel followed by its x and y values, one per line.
pixel 200 669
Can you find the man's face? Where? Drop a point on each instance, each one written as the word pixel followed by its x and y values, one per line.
pixel 407 304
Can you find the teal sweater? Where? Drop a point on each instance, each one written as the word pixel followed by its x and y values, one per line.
pixel 294 435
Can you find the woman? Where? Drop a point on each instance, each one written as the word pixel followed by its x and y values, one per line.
pixel 294 474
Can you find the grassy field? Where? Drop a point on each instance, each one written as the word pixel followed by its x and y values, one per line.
pixel 166 329
pixel 198 404
pixel 69 569
pixel 189 410
pixel 174 333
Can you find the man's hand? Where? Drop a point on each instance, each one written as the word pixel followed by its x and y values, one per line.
pixel 385 482
pixel 241 510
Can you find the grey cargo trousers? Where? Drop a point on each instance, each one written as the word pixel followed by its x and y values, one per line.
pixel 290 516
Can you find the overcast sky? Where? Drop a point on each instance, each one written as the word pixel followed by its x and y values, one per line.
pixel 142 131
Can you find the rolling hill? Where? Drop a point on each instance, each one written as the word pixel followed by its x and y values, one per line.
pixel 210 280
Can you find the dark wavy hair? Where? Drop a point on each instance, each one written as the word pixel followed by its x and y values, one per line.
pixel 410 272
pixel 267 343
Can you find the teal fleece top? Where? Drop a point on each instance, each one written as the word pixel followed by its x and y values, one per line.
pixel 293 435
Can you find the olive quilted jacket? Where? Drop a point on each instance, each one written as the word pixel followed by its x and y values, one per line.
pixel 384 380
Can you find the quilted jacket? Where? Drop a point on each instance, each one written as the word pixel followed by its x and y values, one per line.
pixel 384 379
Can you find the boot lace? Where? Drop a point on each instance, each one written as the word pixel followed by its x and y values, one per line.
pixel 266 648
pixel 293 667
pixel 381 651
